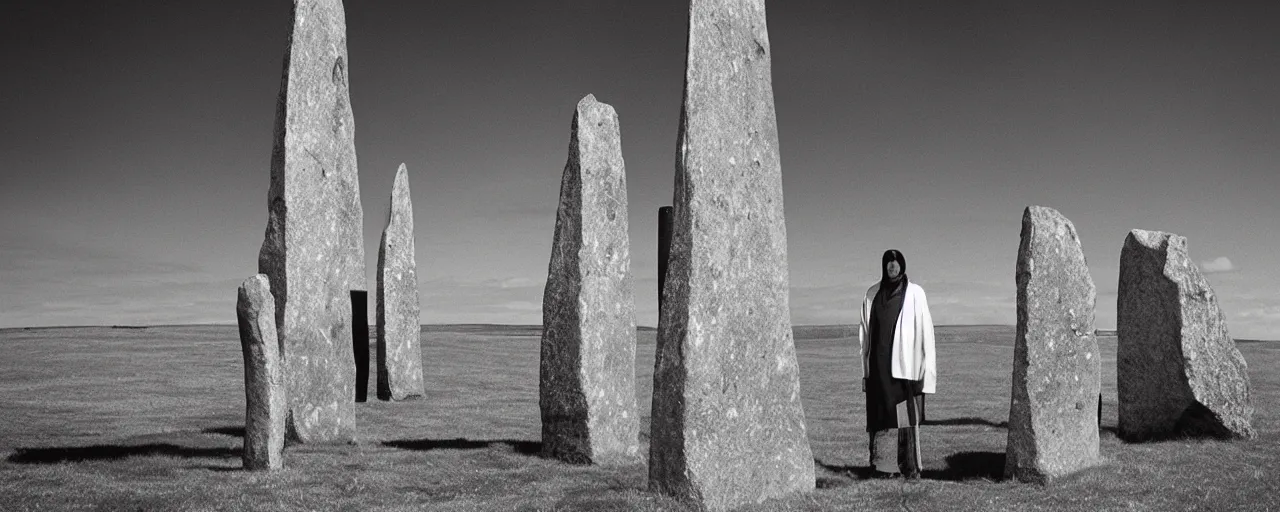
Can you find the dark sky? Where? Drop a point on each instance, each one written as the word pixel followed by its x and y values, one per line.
pixel 135 140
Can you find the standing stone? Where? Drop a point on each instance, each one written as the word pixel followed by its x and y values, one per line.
pixel 587 390
pixel 1178 372
pixel 1053 423
pixel 664 249
pixel 264 391
pixel 313 251
pixel 728 425
pixel 360 341
pixel 399 314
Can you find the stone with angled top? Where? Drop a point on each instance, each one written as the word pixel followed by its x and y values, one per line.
pixel 313 251
pixel 399 314
pixel 728 426
pixel 587 390
pixel 264 391
pixel 1178 372
pixel 1053 422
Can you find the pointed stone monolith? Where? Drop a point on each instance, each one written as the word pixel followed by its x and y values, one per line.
pixel 264 391
pixel 1178 372
pixel 587 391
pixel 399 314
pixel 728 425
pixel 313 251
pixel 1053 422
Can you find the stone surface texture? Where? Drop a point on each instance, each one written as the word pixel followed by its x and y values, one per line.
pixel 1053 414
pixel 313 251
pixel 264 390
pixel 1178 372
pixel 399 314
pixel 587 392
pixel 728 427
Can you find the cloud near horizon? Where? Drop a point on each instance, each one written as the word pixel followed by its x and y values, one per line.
pixel 950 302
pixel 509 300
pixel 53 283
pixel 1218 265
pixel 73 285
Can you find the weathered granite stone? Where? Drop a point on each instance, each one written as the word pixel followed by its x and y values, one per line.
pixel 264 391
pixel 1053 424
pixel 313 251
pixel 587 390
pixel 728 425
pixel 399 314
pixel 1178 372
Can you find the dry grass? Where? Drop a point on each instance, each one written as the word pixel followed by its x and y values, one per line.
pixel 150 419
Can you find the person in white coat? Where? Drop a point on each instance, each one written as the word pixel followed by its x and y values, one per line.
pixel 898 367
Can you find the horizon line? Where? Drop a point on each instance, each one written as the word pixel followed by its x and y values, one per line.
pixel 1106 332
pixel 221 324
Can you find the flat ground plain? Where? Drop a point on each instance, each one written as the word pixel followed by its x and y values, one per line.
pixel 102 418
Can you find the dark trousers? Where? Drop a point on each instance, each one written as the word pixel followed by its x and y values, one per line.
pixel 905 457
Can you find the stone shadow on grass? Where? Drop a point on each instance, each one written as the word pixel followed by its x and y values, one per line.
pixel 1196 424
pixel 531 448
pixel 56 455
pixel 960 466
pixel 968 420
pixel 229 430
pixel 969 466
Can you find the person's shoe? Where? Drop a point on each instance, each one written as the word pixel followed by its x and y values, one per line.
pixel 914 475
pixel 881 475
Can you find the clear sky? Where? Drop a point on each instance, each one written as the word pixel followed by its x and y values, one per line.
pixel 135 140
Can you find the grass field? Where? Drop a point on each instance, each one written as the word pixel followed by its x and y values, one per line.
pixel 151 419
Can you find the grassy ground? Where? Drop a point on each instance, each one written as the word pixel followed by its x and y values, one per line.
pixel 151 419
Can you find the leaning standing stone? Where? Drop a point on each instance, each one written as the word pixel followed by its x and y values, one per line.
pixel 264 391
pixel 399 314
pixel 1178 372
pixel 1053 422
pixel 587 379
pixel 728 426
pixel 313 251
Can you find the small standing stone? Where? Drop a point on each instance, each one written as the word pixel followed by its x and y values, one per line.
pixel 1053 424
pixel 313 251
pixel 587 390
pixel 399 313
pixel 1178 372
pixel 264 391
pixel 728 424
pixel 360 341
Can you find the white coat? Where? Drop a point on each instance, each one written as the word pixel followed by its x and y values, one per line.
pixel 913 355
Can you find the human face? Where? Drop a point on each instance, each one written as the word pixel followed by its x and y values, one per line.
pixel 893 269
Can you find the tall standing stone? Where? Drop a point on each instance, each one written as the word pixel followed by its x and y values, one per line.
pixel 587 391
pixel 1178 372
pixel 664 249
pixel 313 251
pixel 264 391
pixel 728 426
pixel 1053 423
pixel 399 314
